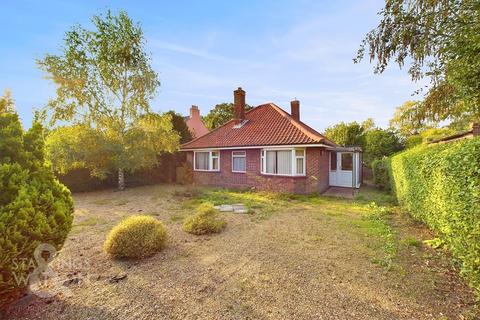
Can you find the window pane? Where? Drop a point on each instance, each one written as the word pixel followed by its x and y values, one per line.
pixel 299 153
pixel 300 166
pixel 214 163
pixel 239 164
pixel 333 161
pixel 347 161
pixel 214 153
pixel 201 160
pixel 271 162
pixel 284 162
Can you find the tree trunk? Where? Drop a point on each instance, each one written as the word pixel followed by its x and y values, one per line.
pixel 121 180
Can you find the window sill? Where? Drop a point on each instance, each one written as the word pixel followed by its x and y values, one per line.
pixel 283 175
pixel 239 172
pixel 197 170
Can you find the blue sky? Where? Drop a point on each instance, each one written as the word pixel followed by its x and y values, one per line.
pixel 276 50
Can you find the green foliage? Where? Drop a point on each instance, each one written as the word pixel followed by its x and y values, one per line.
pixel 375 142
pixel 407 121
pixel 221 114
pixel 346 134
pixel 104 86
pixel 413 141
pixel 435 133
pixel 379 143
pixel 440 185
pixel 80 146
pixel 206 220
pixel 375 222
pixel 180 126
pixel 381 177
pixel 440 40
pixel 34 207
pixel 136 237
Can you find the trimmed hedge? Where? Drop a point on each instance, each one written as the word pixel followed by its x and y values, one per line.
pixel 440 185
pixel 380 170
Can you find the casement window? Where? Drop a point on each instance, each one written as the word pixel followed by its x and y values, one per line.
pixel 239 161
pixel 286 162
pixel 206 161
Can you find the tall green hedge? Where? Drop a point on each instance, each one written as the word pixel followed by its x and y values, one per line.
pixel 440 185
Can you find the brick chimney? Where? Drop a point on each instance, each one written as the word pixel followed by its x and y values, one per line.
pixel 239 105
pixel 194 112
pixel 295 109
pixel 476 129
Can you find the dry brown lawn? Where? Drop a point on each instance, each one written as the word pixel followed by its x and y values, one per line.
pixel 299 258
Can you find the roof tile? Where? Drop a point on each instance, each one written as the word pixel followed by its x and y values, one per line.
pixel 267 124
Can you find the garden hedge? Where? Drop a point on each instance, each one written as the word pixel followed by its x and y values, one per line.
pixel 440 185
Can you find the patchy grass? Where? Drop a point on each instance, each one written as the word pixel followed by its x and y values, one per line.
pixel 261 205
pixel 369 194
pixel 411 242
pixel 299 253
pixel 103 202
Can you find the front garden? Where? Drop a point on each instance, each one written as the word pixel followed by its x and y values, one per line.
pixel 304 257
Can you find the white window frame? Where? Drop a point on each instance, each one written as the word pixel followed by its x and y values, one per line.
pixel 210 160
pixel 295 157
pixel 240 156
pixel 263 164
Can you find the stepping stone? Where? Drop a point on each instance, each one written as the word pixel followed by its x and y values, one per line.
pixel 226 208
pixel 239 208
pixel 236 208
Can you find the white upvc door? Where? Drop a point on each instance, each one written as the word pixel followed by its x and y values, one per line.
pixel 341 174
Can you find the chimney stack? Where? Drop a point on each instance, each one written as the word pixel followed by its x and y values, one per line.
pixel 476 129
pixel 295 109
pixel 194 112
pixel 239 105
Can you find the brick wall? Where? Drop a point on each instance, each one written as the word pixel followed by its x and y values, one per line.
pixel 316 179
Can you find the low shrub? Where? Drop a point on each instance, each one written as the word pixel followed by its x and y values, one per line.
pixel 136 237
pixel 380 170
pixel 440 185
pixel 206 220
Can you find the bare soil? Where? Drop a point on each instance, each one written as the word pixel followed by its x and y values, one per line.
pixel 304 261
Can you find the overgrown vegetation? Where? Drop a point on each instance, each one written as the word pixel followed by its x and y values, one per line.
pixel 34 207
pixel 440 185
pixel 136 237
pixel 206 220
pixel 381 176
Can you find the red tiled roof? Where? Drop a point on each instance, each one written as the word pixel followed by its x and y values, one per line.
pixel 266 125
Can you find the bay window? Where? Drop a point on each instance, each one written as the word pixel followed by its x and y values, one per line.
pixel 239 161
pixel 206 161
pixel 287 162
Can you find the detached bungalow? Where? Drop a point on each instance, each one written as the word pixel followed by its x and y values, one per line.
pixel 270 149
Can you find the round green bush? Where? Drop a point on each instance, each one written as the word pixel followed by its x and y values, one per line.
pixel 34 207
pixel 206 220
pixel 136 237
